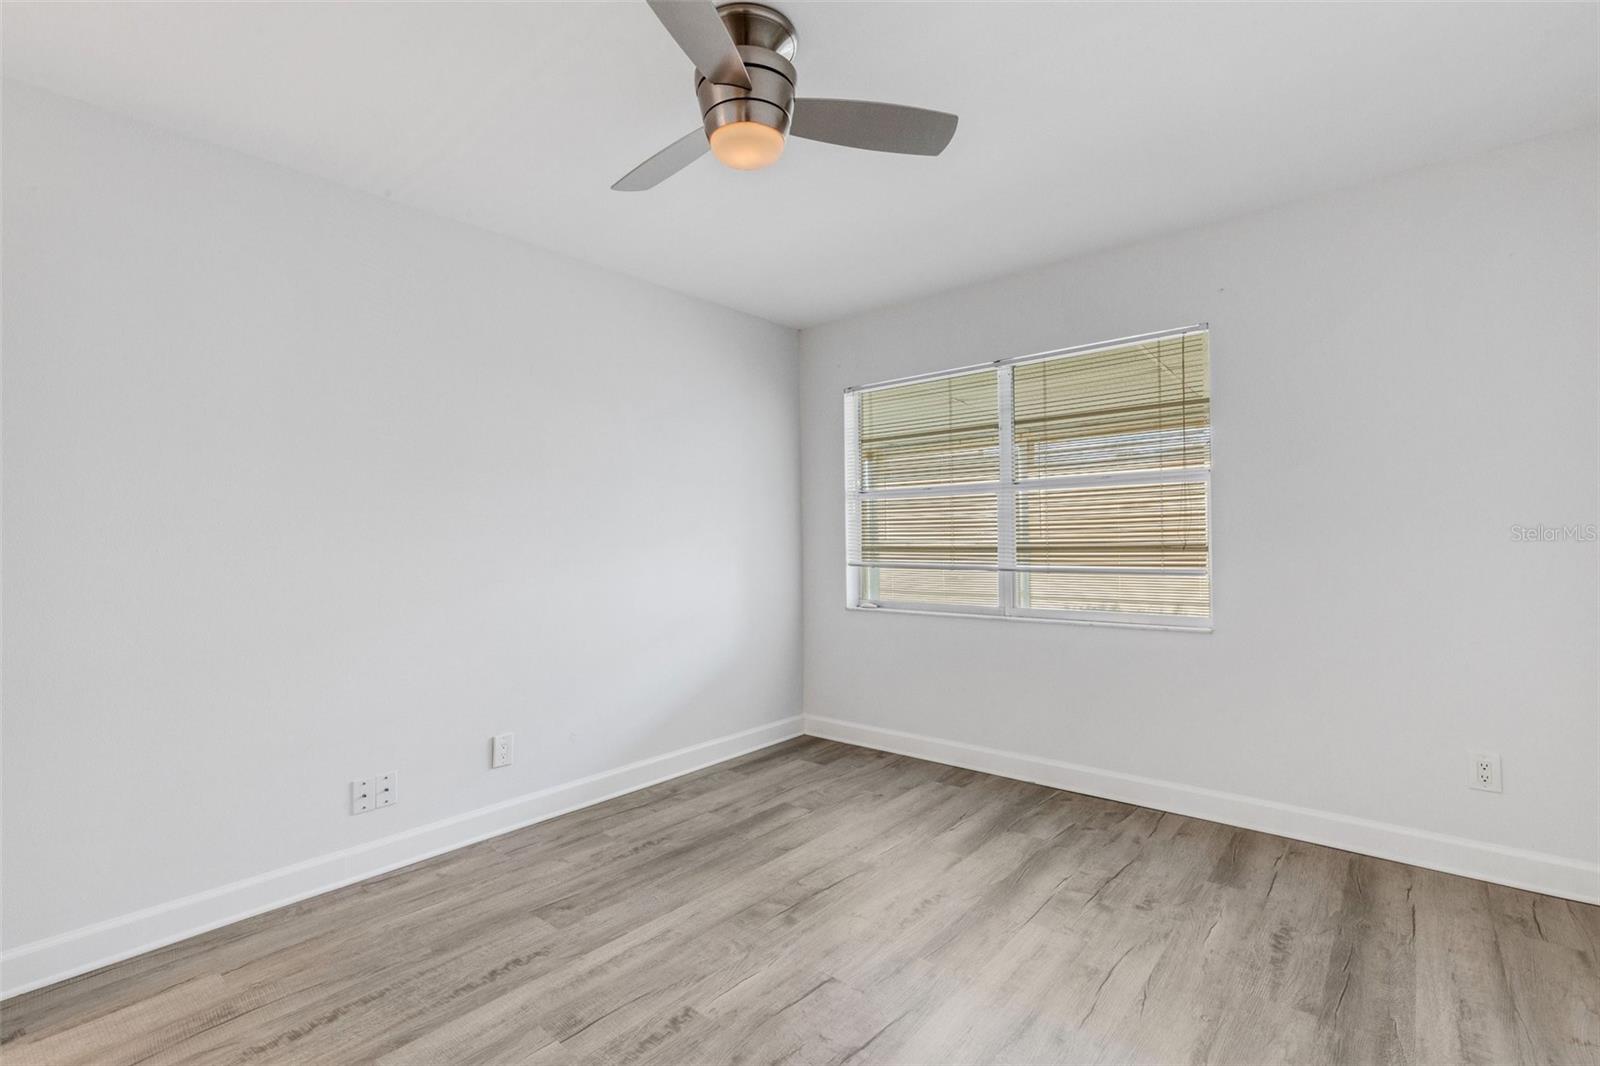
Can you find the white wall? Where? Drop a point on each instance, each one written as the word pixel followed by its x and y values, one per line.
pixel 301 486
pixel 1402 372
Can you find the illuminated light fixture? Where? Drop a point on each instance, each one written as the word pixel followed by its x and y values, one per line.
pixel 746 145
pixel 743 56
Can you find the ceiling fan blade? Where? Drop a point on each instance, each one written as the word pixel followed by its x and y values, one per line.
pixel 875 127
pixel 699 31
pixel 665 163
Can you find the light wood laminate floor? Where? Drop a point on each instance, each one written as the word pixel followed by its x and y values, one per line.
pixel 821 903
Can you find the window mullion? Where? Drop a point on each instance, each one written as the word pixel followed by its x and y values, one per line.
pixel 1005 503
pixel 854 577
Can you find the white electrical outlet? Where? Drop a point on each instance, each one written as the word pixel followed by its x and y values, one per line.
pixel 1483 772
pixel 360 796
pixel 500 750
pixel 388 789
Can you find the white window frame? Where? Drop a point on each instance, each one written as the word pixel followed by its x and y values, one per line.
pixel 1005 491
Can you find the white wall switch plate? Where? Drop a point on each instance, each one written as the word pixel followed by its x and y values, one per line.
pixel 360 796
pixel 1483 772
pixel 387 790
pixel 500 750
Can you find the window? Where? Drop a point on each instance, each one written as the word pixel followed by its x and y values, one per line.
pixel 1074 485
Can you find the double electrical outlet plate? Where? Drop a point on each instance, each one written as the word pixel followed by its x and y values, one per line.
pixel 370 792
pixel 1483 772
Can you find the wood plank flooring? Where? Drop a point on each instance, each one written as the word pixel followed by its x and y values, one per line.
pixel 821 903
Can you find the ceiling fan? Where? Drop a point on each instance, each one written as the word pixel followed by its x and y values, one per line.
pixel 744 76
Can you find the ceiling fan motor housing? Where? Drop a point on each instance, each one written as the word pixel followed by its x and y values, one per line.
pixel 766 42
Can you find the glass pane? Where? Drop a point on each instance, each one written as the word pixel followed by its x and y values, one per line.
pixel 1160 526
pixel 1153 593
pixel 950 588
pixel 930 529
pixel 1143 406
pixel 938 432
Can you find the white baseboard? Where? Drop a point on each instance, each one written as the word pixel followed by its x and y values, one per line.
pixel 1537 872
pixel 78 951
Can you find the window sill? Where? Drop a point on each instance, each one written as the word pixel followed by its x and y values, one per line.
pixel 996 616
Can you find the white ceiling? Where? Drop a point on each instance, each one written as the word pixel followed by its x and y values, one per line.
pixel 1082 125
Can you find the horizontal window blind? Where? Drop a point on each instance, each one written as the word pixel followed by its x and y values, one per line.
pixel 1074 485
